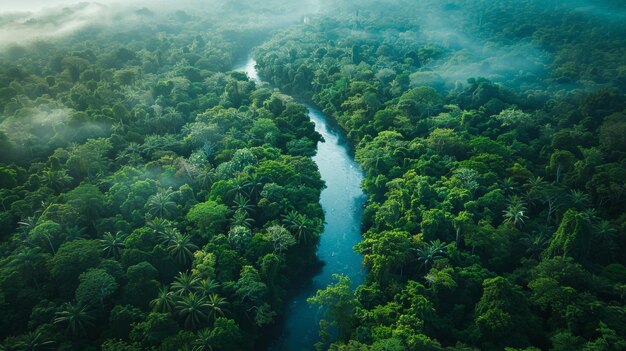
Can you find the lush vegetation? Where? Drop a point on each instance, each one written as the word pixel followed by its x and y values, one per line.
pixel 151 198
pixel 495 216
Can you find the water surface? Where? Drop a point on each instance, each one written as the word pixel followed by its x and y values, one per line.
pixel 342 201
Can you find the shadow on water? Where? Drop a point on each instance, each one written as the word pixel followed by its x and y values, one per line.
pixel 342 201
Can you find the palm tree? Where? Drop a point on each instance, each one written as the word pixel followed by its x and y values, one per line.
pixel 187 168
pixel 217 306
pixel 164 302
pixel 74 233
pixel 240 186
pixel 130 156
pixel 591 214
pixel 168 235
pixel 185 283
pixel 34 341
pixel 430 252
pixel 579 199
pixel 158 225
pixel 256 185
pixel 240 218
pixel 76 316
pixel 536 183
pixel 241 203
pixel 535 243
pixel 302 227
pixel 182 248
pixel 295 222
pixel 508 185
pixel 26 261
pixel 205 177
pixel 112 244
pixel 515 212
pixel 56 179
pixel 193 308
pixel 208 286
pixel 204 340
pixel 535 188
pixel 604 231
pixel 161 203
pixel 27 225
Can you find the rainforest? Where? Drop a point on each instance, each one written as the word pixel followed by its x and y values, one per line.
pixel 363 175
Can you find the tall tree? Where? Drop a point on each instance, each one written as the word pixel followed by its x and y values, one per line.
pixel 76 316
pixel 339 303
pixel 193 308
pixel 572 238
pixel 162 204
pixel 112 244
pixel 181 248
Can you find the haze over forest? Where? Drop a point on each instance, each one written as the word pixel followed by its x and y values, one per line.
pixel 320 175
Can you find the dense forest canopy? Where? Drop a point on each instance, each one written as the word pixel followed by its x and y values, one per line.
pixel 154 199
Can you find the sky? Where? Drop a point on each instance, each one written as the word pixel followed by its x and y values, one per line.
pixel 35 5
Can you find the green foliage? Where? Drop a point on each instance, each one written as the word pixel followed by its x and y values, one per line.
pixel 138 172
pixel 571 238
pixel 95 286
pixel 339 304
pixel 77 317
pixel 522 180
pixel 73 258
pixel 209 217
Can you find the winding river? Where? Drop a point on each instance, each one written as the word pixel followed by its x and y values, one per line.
pixel 342 201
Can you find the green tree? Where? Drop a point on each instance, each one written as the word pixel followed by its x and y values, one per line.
pixel 89 159
pixel 572 238
pixel 46 234
pixel 250 287
pixel 95 285
pixel 339 303
pixel 430 252
pixel 210 217
pixel 385 252
pixel 226 335
pixel 73 258
pixel 515 212
pixel 56 179
pixel 164 302
pixel 502 315
pixel 193 308
pixel 303 228
pixel 181 248
pixel 216 306
pixel 204 340
pixel 121 319
pixel 185 283
pixel 77 317
pixel 161 204
pixel 88 200
pixel 29 262
pixel 281 238
pixel 153 330
pixel 112 244
pixel 34 341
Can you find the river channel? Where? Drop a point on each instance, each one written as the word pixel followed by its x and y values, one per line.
pixel 342 201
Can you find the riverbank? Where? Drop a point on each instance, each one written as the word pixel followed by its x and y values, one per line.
pixel 342 201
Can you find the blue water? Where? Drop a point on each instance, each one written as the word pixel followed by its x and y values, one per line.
pixel 342 201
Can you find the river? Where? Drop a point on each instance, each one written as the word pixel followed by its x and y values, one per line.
pixel 342 201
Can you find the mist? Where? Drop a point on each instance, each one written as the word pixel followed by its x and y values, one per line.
pixel 470 54
pixel 24 22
